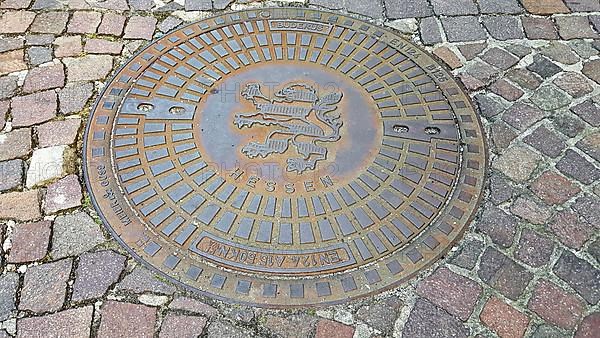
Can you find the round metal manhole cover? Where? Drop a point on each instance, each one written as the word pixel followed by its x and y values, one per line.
pixel 285 157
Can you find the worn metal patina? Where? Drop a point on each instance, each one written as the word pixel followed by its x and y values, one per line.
pixel 285 157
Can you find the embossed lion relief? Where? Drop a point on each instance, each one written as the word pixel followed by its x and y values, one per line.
pixel 297 116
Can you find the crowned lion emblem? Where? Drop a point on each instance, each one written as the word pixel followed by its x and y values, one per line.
pixel 297 116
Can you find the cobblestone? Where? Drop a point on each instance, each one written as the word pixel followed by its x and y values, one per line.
pixel 463 28
pixel 9 284
pixel 570 230
pixel 504 27
pixel 454 293
pixel 503 274
pixel 580 275
pixel 534 250
pixel 30 242
pixel 175 326
pixel 381 315
pixel 55 133
pixel 33 108
pixel 72 323
pixel 504 319
pixel 555 305
pixel 576 166
pixel 126 320
pixel 499 225
pixel 45 286
pixel 12 174
pixel 20 206
pixel 427 320
pixel 74 234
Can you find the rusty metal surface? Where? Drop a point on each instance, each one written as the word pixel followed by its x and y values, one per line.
pixel 284 157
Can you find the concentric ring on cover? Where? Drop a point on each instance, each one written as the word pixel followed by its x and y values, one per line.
pixel 284 157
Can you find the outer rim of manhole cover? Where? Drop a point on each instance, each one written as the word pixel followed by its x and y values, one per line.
pixel 436 148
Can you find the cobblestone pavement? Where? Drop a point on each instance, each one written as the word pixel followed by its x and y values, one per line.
pixel 527 266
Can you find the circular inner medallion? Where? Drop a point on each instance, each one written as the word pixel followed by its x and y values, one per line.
pixel 284 157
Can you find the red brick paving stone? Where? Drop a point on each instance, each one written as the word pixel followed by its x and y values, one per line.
pixel 428 320
pixel 101 46
pixel 95 273
pixel 140 27
pixel 84 22
pixel 67 46
pixel 591 69
pixel 545 7
pixel 588 328
pixel 56 133
pixel 580 275
pixel 454 293
pixel 63 195
pixel 74 97
pixel 570 230
pixel 503 274
pixel 539 28
pixel 588 111
pixel 30 242
pixel 503 319
pixel 530 210
pixel 448 57
pixel 178 326
pixel 46 77
pixel 45 286
pixel 50 22
pixel 126 320
pixel 14 144
pixel 553 188
pixel 555 305
pixel 576 166
pixel 33 108
pixel 88 68
pixel 72 323
pixel 15 21
pixel 506 90
pixel 112 24
pixel 293 326
pixel 12 174
pixel 330 329
pixel 499 225
pixel 534 249
pixel 192 305
pixel 20 206
pixel 12 62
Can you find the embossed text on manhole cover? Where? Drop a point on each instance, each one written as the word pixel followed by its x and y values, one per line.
pixel 284 157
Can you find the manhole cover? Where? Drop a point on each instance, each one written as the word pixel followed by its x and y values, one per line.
pixel 285 157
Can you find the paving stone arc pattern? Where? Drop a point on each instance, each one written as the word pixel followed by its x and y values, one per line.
pixel 184 168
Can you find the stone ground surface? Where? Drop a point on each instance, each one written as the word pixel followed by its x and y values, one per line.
pixel 527 266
